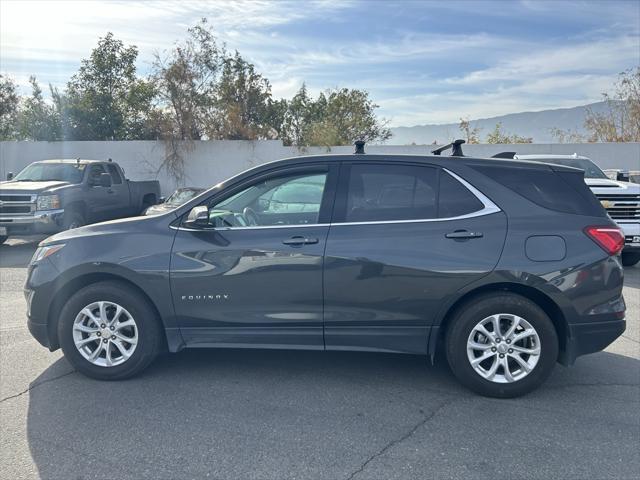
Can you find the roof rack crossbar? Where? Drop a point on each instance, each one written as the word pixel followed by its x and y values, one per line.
pixel 455 146
pixel 504 155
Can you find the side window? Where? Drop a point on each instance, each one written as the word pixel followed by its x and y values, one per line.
pixel 94 174
pixel 391 192
pixel 455 199
pixel 284 200
pixel 115 175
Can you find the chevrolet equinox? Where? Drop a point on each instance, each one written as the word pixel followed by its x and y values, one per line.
pixel 508 266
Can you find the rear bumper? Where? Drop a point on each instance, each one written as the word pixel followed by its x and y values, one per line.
pixel 590 337
pixel 47 221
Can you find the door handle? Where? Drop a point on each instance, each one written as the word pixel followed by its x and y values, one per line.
pixel 463 235
pixel 300 240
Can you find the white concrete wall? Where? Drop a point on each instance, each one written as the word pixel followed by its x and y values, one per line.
pixel 209 162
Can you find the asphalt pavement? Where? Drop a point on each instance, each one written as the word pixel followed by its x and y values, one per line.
pixel 234 414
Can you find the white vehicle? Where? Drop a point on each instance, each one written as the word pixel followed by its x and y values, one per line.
pixel 620 199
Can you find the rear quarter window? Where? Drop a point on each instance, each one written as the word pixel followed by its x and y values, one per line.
pixel 455 199
pixel 559 191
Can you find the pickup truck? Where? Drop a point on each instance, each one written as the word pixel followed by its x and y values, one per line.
pixel 55 195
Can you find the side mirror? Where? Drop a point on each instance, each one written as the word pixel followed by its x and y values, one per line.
pixel 10 176
pixel 198 217
pixel 162 199
pixel 105 180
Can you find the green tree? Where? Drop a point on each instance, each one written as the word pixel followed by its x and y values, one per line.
pixel 105 100
pixel 301 113
pixel 8 108
pixel 336 117
pixel 498 136
pixel 38 120
pixel 620 122
pixel 244 107
pixel 186 79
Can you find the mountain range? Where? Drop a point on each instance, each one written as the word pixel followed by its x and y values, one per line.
pixel 537 125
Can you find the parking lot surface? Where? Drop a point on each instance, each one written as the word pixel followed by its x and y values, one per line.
pixel 279 414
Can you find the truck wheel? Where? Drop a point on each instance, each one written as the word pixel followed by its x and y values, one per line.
pixel 501 345
pixel 72 220
pixel 3 238
pixel 629 259
pixel 109 332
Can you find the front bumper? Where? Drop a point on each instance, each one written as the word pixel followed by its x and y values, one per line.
pixel 46 221
pixel 631 232
pixel 40 331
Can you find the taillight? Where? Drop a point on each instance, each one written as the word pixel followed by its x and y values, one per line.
pixel 610 239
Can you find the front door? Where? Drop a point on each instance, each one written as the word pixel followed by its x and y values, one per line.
pixel 253 276
pixel 98 197
pixel 403 240
pixel 119 195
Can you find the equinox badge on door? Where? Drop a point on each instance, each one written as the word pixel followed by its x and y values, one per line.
pixel 192 298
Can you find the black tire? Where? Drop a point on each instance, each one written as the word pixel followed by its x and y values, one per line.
pixel 149 333
pixel 629 259
pixel 470 314
pixel 73 219
pixel 3 238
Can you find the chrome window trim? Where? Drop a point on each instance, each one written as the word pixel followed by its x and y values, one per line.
pixel 489 209
pixel 255 227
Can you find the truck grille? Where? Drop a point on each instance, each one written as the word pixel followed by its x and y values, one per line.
pixel 11 205
pixel 621 207
pixel 15 198
pixel 8 209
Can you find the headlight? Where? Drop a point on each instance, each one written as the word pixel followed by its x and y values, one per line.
pixel 43 252
pixel 48 202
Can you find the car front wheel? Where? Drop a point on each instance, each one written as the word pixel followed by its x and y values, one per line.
pixel 108 332
pixel 501 345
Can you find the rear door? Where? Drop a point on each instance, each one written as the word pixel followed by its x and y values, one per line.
pixel 404 238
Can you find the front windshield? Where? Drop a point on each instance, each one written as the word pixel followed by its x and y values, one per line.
pixel 46 172
pixel 182 196
pixel 591 170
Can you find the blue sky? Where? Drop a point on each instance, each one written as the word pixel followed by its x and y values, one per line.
pixel 422 61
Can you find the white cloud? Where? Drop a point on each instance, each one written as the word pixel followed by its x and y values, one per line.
pixel 491 74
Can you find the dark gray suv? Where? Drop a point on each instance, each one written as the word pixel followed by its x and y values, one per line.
pixel 509 266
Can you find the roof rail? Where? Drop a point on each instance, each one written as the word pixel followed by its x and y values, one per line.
pixel 504 155
pixel 455 146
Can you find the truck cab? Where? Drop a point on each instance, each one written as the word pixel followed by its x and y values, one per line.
pixel 50 196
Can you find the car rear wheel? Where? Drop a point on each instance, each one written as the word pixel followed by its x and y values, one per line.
pixel 108 332
pixel 629 259
pixel 501 345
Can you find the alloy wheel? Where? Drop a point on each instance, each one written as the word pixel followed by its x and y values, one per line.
pixel 105 334
pixel 503 348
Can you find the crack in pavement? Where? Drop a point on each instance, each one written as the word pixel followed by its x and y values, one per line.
pixel 402 438
pixel 31 387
